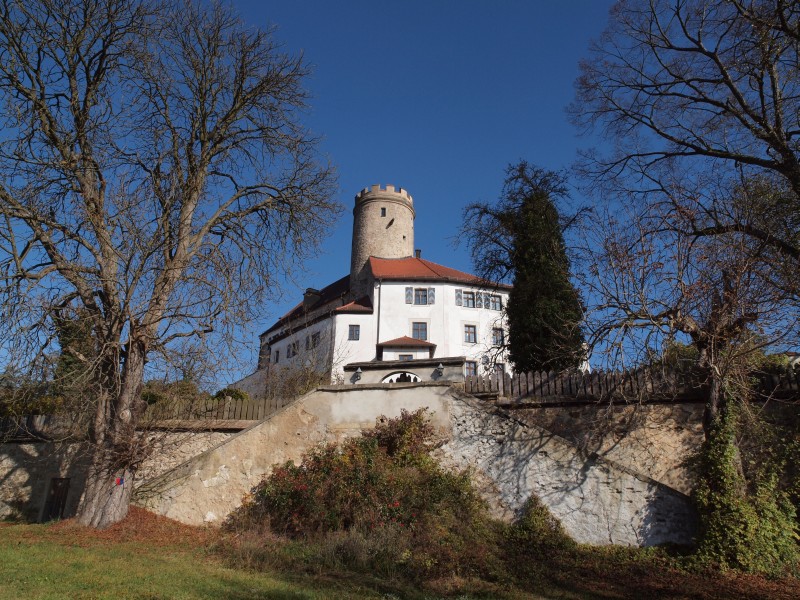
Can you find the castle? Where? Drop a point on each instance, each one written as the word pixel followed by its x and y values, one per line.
pixel 395 316
pixel 402 330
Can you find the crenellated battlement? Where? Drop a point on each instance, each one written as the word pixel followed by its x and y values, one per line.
pixel 379 190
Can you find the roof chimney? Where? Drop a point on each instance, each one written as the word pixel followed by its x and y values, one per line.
pixel 417 253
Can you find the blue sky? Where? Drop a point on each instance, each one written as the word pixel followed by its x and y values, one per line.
pixel 437 97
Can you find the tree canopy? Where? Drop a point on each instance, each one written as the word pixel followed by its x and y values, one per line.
pixel 698 99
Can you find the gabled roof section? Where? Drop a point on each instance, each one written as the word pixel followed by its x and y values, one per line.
pixel 335 291
pixel 361 306
pixel 406 342
pixel 419 269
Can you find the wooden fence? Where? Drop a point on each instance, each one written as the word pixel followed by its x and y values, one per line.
pixel 213 409
pixel 214 413
pixel 637 385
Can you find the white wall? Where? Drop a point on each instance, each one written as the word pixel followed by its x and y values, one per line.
pixel 347 351
pixel 396 353
pixel 445 319
pixel 319 358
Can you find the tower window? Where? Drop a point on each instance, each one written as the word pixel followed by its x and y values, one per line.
pixel 354 332
pixel 419 331
pixel 383 211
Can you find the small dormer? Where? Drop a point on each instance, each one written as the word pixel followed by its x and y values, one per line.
pixel 310 298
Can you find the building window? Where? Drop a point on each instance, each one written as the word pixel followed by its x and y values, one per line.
pixel 498 336
pixel 470 334
pixel 470 368
pixel 420 295
pixel 354 333
pixel 308 343
pixel 494 302
pixel 383 211
pixel 405 357
pixel 277 356
pixel 469 299
pixel 315 339
pixel 419 331
pixel 291 350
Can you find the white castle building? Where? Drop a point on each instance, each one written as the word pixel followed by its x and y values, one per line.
pixel 395 316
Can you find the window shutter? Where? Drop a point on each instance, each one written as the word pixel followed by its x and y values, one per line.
pixel 458 297
pixel 409 295
pixel 487 300
pixel 478 300
pixel 431 296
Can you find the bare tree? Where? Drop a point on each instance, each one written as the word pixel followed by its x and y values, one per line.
pixel 699 101
pixel 694 94
pixel 154 175
pixel 651 283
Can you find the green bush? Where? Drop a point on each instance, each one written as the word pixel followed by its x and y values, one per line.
pixel 537 534
pixel 379 503
pixel 233 393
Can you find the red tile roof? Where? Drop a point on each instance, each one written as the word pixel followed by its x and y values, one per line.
pixel 406 342
pixel 419 269
pixel 388 269
pixel 362 305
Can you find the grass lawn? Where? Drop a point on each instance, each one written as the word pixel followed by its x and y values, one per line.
pixel 150 557
pixel 143 558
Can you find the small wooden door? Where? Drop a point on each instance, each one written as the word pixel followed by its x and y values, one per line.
pixel 56 499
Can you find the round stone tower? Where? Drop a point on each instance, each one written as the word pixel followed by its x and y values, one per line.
pixel 383 226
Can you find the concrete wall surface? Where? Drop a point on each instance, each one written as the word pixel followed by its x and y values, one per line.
pixel 597 500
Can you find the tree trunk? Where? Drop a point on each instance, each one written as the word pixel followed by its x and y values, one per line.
pixel 107 495
pixel 713 404
pixel 116 453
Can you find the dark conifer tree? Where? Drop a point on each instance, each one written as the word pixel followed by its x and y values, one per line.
pixel 520 239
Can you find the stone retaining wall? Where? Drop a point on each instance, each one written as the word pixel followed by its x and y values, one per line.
pixel 27 469
pixel 26 473
pixel 599 501
pixel 652 439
